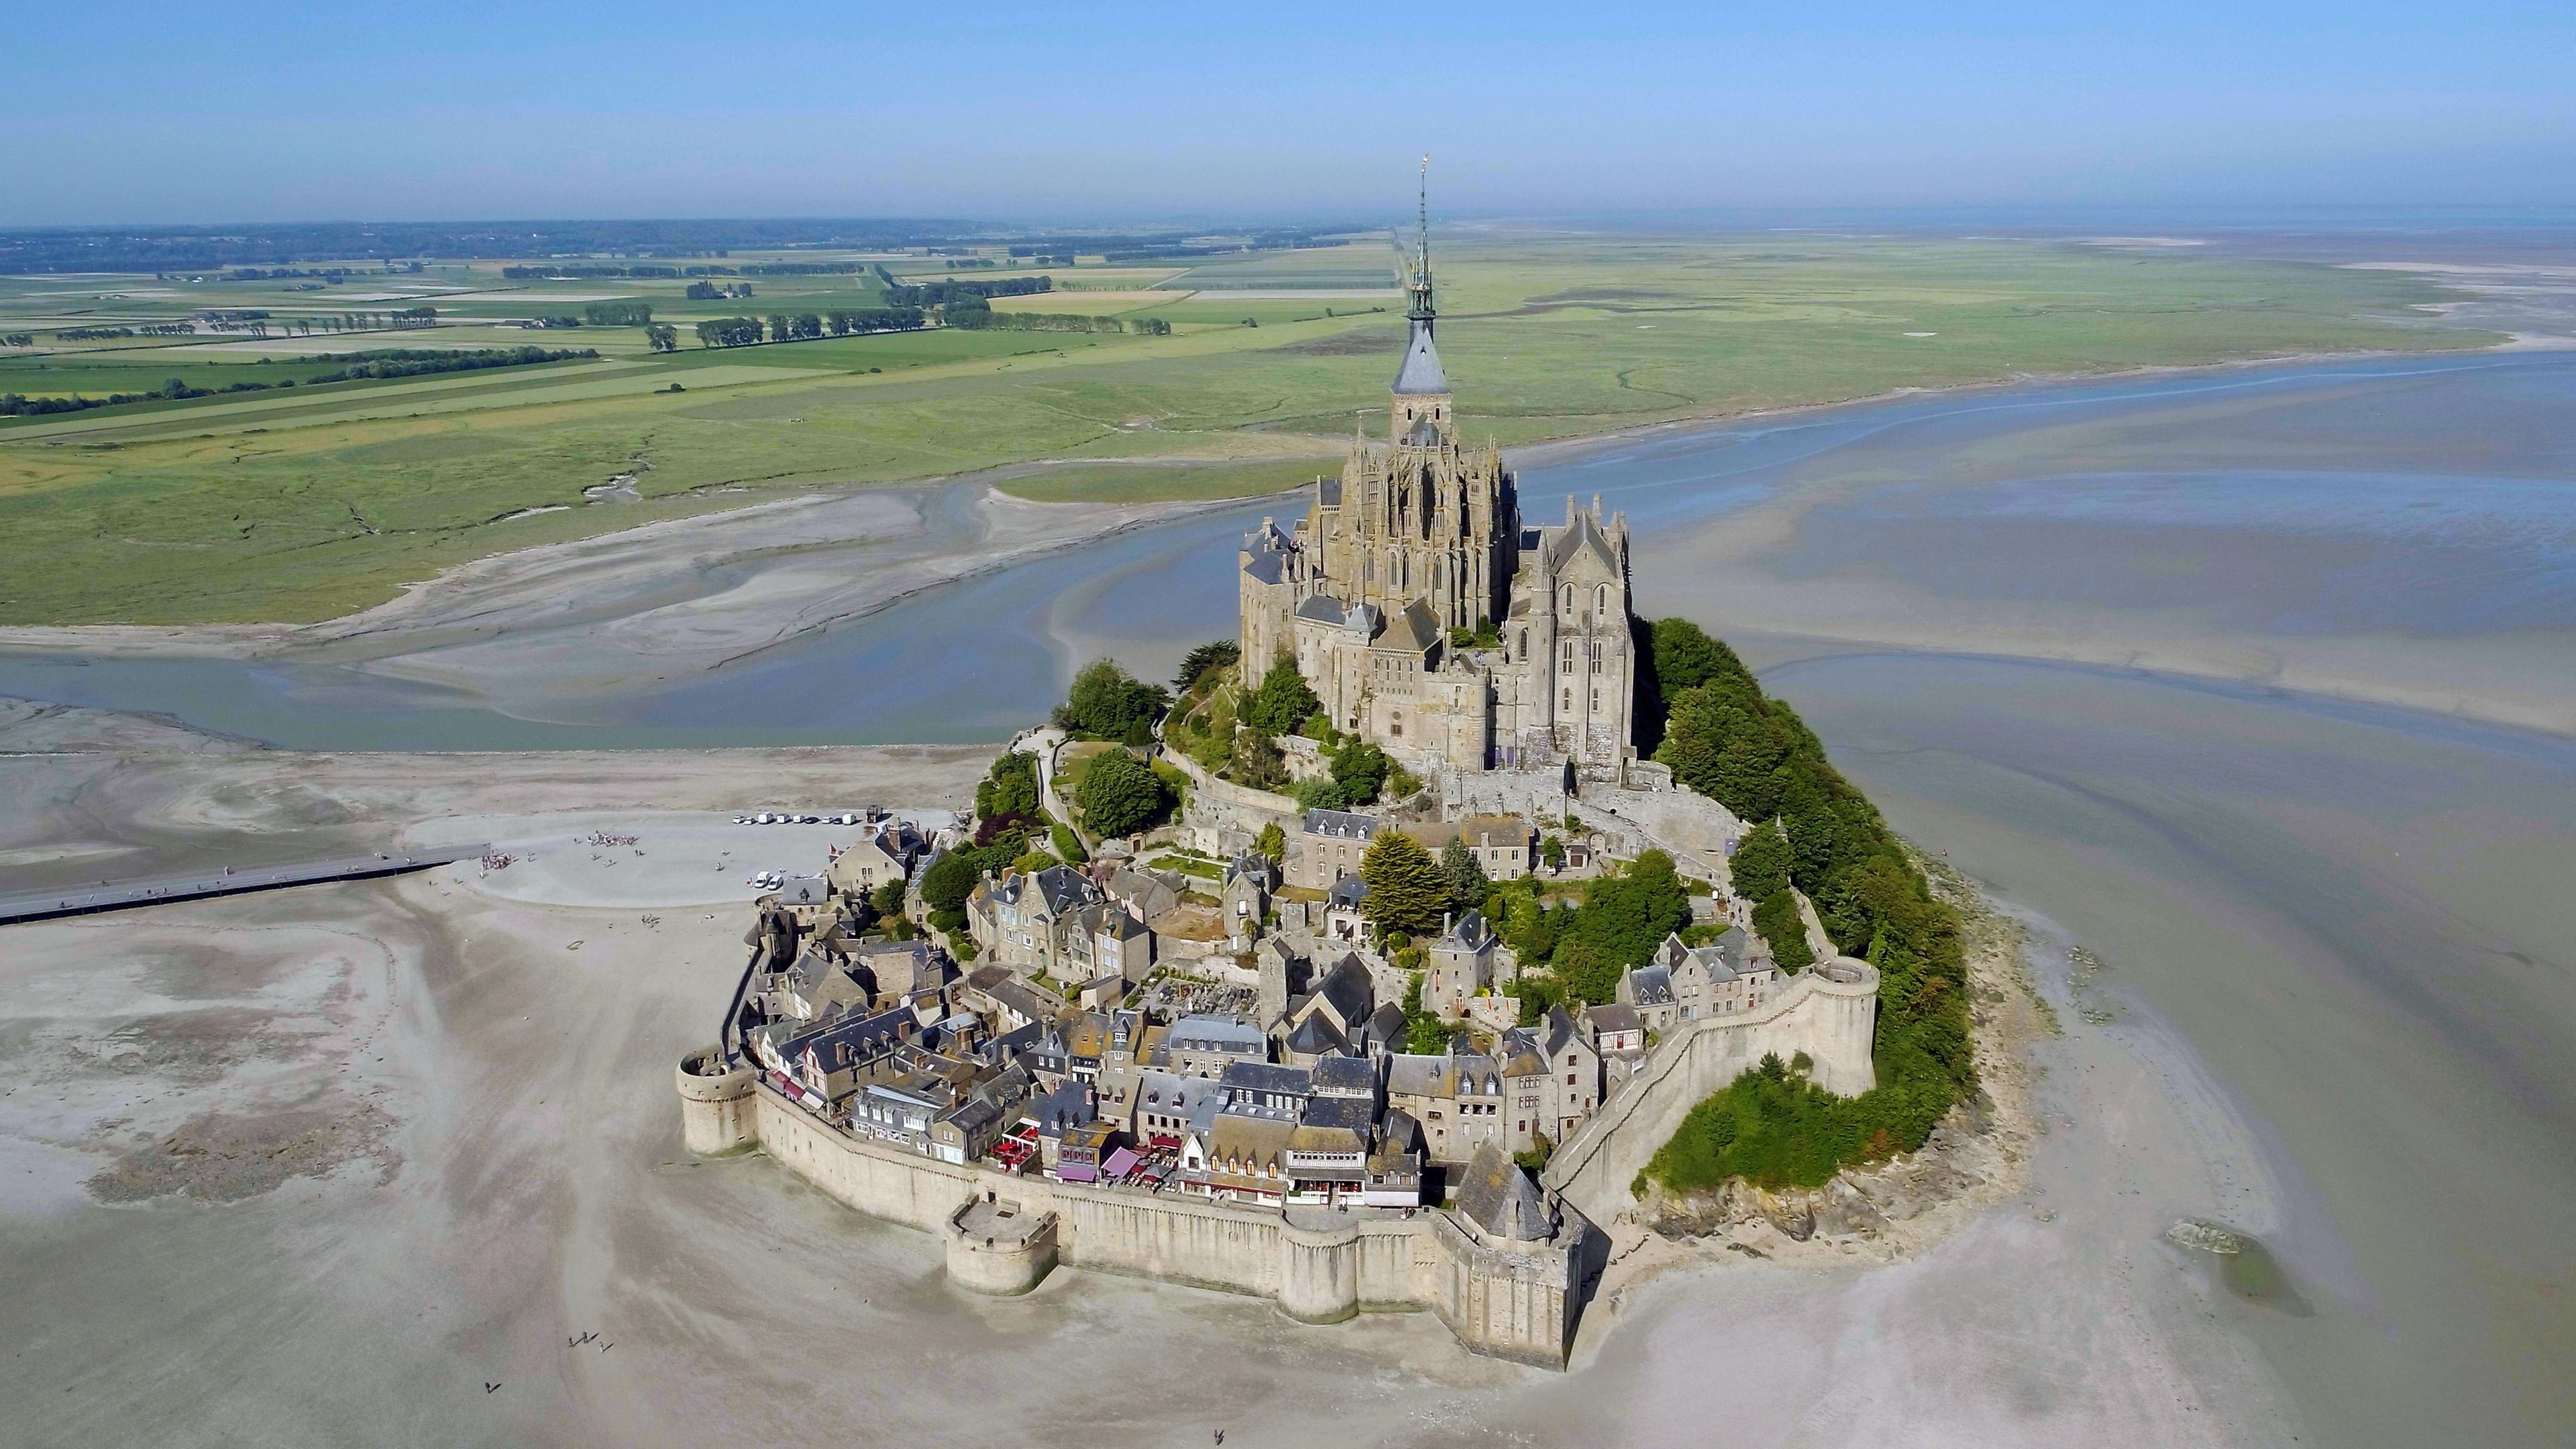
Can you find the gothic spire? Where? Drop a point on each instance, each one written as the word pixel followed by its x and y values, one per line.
pixel 1421 285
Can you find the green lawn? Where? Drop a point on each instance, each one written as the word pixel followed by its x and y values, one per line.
pixel 288 508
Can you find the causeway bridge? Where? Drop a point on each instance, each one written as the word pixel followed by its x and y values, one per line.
pixel 222 881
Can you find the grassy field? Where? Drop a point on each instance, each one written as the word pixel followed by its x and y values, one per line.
pixel 296 506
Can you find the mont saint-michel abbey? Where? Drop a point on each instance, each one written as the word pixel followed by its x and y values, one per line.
pixel 1428 615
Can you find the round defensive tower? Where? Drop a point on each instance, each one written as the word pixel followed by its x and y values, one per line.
pixel 1319 1269
pixel 716 1108
pixel 999 1249
pixel 1846 1015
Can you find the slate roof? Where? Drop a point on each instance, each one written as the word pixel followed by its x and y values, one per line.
pixel 1215 1033
pixel 1582 535
pixel 1421 372
pixel 1613 1018
pixel 1347 990
pixel 1316 1036
pixel 1468 933
pixel 1245 1075
pixel 1413 630
pixel 1354 1077
pixel 1350 890
pixel 1064 888
pixel 1498 1197
pixel 1652 985
pixel 1343 824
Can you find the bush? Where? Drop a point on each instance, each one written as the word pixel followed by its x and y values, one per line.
pixel 1067 844
pixel 1777 921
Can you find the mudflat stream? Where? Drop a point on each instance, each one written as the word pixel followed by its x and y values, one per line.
pixel 2258 685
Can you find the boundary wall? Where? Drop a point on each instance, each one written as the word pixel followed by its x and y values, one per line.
pixel 1827 1011
pixel 1516 1301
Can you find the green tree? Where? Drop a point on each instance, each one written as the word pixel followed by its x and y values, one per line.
pixel 1622 920
pixel 887 900
pixel 1406 891
pixel 1272 842
pixel 1067 843
pixel 1760 864
pixel 1283 702
pixel 1360 768
pixel 1212 657
pixel 950 879
pixel 1257 761
pixel 1106 702
pixel 1121 795
pixel 1425 1035
pixel 1319 793
pixel 1009 790
pixel 1467 882
pixel 1777 921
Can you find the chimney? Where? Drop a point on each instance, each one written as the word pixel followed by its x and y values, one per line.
pixel 1596 507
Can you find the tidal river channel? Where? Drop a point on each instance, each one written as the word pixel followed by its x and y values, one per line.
pixel 2258 684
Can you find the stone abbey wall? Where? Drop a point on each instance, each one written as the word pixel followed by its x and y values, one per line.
pixel 1827 1011
pixel 1519 1303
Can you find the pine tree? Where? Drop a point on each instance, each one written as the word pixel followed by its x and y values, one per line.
pixel 1406 890
pixel 1467 882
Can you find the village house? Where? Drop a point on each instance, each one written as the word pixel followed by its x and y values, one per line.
pixel 1504 846
pixel 1718 979
pixel 1459 965
pixel 1648 990
pixel 1328 846
pixel 1203 1046
pixel 886 854
pixel 1250 882
pixel 1573 1074
pixel 1457 1097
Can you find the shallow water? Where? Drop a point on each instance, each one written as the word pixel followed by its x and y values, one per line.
pixel 2357 914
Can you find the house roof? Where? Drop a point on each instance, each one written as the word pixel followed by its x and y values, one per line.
pixel 1500 1198
pixel 1651 985
pixel 1412 630
pixel 1349 891
pixel 1468 933
pixel 1217 1034
pixel 1244 1075
pixel 1317 1036
pixel 1613 1017
pixel 1345 1076
pixel 1347 991
pixel 1341 824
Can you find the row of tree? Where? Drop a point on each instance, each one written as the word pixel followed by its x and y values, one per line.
pixel 384 363
pixel 940 294
pixel 748 331
pixel 958 315
pixel 618 312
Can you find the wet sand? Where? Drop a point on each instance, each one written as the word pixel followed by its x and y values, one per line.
pixel 314 1167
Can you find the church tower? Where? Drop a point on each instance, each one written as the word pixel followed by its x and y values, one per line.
pixel 1421 393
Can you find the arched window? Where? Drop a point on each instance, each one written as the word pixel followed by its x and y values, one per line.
pixel 1569 601
pixel 1601 596
pixel 1524 643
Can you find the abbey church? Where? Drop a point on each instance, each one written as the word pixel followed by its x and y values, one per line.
pixel 1428 615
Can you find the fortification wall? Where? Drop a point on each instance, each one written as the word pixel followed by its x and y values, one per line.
pixel 1217 802
pixel 1320 1266
pixel 1827 1011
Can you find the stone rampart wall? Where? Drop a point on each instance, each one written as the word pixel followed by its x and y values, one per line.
pixel 1828 1011
pixel 1319 1267
pixel 1213 800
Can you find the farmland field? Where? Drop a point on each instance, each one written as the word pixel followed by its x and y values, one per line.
pixel 283 506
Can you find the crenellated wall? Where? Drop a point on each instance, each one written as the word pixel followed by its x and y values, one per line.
pixel 1827 1011
pixel 1515 1301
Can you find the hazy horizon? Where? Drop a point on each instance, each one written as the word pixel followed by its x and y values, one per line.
pixel 150 114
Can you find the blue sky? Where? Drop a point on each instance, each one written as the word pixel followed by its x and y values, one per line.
pixel 152 112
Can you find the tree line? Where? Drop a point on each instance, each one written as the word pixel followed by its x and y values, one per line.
pixel 940 294
pixel 779 327
pixel 985 318
pixel 356 366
